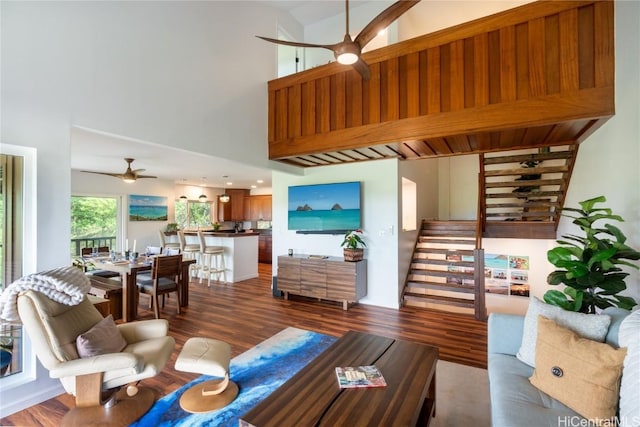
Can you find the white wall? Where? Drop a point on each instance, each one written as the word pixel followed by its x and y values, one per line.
pixel 380 193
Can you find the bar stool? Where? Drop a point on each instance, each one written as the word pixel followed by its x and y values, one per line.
pixel 212 260
pixel 190 251
pixel 164 243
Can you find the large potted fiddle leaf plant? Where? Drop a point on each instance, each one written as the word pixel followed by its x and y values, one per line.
pixel 589 265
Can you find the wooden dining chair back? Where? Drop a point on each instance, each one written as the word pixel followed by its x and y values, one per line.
pixel 164 279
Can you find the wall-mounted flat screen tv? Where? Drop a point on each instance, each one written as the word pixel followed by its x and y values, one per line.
pixel 325 207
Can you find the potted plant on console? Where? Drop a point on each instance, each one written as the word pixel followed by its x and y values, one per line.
pixel 353 245
pixel 589 265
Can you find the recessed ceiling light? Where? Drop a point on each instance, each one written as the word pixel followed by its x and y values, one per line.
pixel 254 186
pixel 260 181
pixel 229 183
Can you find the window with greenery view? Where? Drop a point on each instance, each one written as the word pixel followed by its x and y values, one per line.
pixel 93 222
pixel 193 214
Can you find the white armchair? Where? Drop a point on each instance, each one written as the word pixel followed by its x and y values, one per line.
pixel 95 381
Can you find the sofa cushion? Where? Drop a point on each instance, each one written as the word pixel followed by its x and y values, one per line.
pixel 102 338
pixel 515 402
pixel 581 373
pixel 630 387
pixel 593 327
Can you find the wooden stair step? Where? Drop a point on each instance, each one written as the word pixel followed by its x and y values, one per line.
pixel 524 205
pixel 525 195
pixel 526 171
pixel 446 240
pixel 528 157
pixel 520 214
pixel 434 261
pixel 524 183
pixel 451 287
pixel 447 233
pixel 440 273
pixel 442 251
pixel 436 299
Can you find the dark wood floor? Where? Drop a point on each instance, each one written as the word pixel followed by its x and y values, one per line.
pixel 245 313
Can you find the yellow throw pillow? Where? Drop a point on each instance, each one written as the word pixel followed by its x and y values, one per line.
pixel 578 372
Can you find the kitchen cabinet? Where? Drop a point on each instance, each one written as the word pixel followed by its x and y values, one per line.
pixel 264 248
pixel 257 208
pixel 330 278
pixel 233 210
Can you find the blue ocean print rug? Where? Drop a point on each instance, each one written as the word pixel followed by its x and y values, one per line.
pixel 257 372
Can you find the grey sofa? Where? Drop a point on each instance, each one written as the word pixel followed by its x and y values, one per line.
pixel 514 401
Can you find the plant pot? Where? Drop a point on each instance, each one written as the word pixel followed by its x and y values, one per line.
pixel 353 255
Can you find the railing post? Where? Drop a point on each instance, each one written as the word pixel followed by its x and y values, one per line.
pixel 480 305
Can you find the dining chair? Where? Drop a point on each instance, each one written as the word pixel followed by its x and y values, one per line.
pixel 165 278
pixel 86 264
pixel 171 251
pixel 153 250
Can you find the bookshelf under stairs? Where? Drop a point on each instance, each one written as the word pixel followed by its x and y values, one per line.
pixel 446 270
pixel 523 193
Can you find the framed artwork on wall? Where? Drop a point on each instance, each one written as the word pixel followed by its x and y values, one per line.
pixel 148 208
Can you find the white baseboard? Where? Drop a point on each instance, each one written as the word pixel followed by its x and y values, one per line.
pixel 11 406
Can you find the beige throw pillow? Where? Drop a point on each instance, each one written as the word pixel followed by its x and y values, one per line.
pixel 104 337
pixel 586 325
pixel 578 372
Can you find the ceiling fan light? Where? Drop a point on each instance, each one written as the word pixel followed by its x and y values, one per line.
pixel 129 179
pixel 224 198
pixel 347 58
pixel 202 198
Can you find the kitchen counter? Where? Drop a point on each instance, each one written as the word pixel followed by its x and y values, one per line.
pixel 224 233
pixel 231 233
pixel 240 253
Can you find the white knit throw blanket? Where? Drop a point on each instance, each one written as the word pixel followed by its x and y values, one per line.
pixel 66 285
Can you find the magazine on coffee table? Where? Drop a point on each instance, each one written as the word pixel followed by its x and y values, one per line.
pixel 359 377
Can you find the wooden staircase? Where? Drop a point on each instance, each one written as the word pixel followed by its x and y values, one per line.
pixel 446 269
pixel 524 191
pixel 520 195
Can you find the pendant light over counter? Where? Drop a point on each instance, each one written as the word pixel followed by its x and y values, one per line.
pixel 225 197
pixel 202 197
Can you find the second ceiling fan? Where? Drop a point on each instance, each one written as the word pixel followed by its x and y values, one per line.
pixel 348 50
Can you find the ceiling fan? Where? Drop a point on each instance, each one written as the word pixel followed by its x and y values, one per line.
pixel 348 51
pixel 128 175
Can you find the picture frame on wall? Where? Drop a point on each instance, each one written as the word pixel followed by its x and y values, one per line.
pixel 148 208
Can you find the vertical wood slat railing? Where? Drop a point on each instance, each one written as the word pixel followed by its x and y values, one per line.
pixel 539 50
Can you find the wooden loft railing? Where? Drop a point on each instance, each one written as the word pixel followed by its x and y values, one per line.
pixel 538 75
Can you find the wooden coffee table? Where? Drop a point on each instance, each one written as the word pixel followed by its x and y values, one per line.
pixel 312 397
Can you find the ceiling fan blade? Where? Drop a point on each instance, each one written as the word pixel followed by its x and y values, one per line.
pixel 145 176
pixel 295 44
pixel 383 20
pixel 137 171
pixel 116 175
pixel 361 67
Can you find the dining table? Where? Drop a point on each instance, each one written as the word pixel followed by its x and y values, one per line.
pixel 129 271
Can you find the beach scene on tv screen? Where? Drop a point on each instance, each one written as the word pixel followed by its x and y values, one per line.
pixel 324 206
